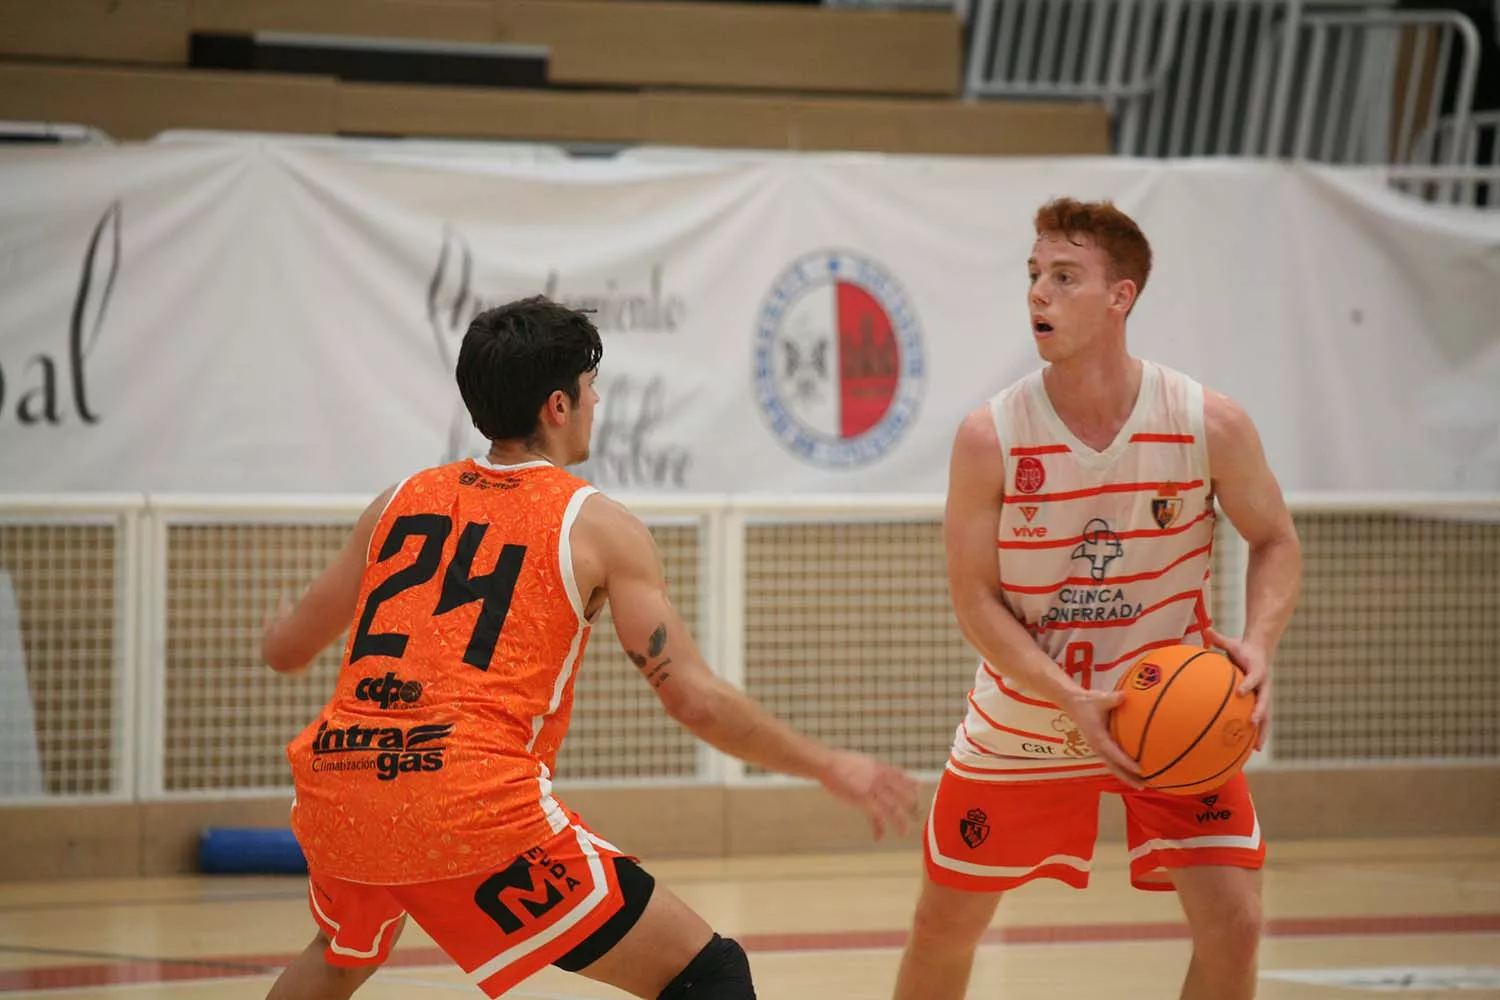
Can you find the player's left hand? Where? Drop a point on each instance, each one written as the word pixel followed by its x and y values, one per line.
pixel 1256 665
pixel 887 794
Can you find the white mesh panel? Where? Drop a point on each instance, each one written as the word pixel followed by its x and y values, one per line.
pixel 849 636
pixel 57 625
pixel 620 731
pixel 1395 647
pixel 228 717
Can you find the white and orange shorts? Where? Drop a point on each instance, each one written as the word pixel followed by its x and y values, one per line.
pixel 499 926
pixel 990 836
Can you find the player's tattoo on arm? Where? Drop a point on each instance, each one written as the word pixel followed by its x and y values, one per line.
pixel 657 675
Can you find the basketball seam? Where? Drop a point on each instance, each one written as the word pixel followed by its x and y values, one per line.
pixel 1207 726
pixel 1146 726
pixel 1244 754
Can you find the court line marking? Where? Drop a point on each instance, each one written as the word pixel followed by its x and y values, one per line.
pixel 135 970
pixel 1480 854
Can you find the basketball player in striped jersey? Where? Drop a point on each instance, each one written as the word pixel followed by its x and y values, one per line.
pixel 1079 527
pixel 424 787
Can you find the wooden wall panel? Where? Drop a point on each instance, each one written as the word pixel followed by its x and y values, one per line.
pixel 448 20
pixel 995 128
pixel 44 842
pixel 148 31
pixel 52 842
pixel 138 104
pixel 473 112
pixel 748 46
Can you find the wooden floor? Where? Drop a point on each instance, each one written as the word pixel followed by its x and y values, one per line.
pixel 1412 914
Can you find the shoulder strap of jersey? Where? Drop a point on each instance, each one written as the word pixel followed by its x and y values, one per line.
pixel 565 549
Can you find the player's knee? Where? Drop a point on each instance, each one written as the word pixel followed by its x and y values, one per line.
pixel 721 971
pixel 1234 941
pixel 941 926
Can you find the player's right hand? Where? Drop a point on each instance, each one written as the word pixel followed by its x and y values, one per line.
pixel 887 794
pixel 1089 711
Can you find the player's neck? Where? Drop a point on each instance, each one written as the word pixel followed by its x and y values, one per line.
pixel 521 452
pixel 1095 392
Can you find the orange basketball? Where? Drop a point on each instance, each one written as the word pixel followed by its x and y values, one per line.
pixel 1183 719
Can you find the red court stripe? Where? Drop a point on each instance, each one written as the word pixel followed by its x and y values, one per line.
pixel 1041 449
pixel 74 977
pixel 1162 439
pixel 1463 923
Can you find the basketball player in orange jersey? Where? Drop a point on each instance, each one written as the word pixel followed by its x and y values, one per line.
pixel 425 786
pixel 1094 481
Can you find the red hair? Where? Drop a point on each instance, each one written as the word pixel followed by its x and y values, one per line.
pixel 1110 229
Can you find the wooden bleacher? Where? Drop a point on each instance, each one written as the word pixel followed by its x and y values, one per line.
pixel 664 72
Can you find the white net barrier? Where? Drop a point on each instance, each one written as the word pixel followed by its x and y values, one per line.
pixel 846 632
pixel 226 718
pixel 59 707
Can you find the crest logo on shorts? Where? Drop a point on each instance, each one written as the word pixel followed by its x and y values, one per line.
pixel 838 360
pixel 974 828
pixel 1147 677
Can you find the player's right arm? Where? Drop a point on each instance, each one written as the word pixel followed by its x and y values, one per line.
pixel 299 631
pixel 971 524
pixel 713 710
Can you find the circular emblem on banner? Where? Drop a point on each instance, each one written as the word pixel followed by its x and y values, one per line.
pixel 838 359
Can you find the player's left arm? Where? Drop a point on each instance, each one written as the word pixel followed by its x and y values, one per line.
pixel 299 632
pixel 1249 495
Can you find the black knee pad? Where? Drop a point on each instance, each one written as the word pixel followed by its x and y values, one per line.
pixel 721 971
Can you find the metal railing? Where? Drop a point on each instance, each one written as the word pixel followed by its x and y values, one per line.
pixel 1368 84
pixel 1277 78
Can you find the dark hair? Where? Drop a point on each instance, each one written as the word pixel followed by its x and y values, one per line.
pixel 515 356
pixel 1112 231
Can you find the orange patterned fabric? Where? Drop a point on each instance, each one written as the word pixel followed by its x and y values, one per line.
pixel 434 757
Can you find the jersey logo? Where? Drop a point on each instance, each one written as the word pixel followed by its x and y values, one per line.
pixel 1166 506
pixel 1074 745
pixel 1029 513
pixel 974 828
pixel 1100 546
pixel 1030 474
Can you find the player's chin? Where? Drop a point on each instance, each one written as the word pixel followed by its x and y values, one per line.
pixel 1048 346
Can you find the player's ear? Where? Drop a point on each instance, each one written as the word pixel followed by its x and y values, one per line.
pixel 1123 294
pixel 555 409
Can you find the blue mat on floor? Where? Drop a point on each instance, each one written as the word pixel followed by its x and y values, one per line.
pixel 250 851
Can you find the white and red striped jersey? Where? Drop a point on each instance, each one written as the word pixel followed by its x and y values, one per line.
pixel 1104 555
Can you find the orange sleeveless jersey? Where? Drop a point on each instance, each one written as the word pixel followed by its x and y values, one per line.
pixel 434 757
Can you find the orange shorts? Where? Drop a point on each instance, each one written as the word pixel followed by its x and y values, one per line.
pixel 499 926
pixel 989 836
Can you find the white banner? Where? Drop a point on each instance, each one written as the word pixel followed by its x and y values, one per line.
pixel 224 314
